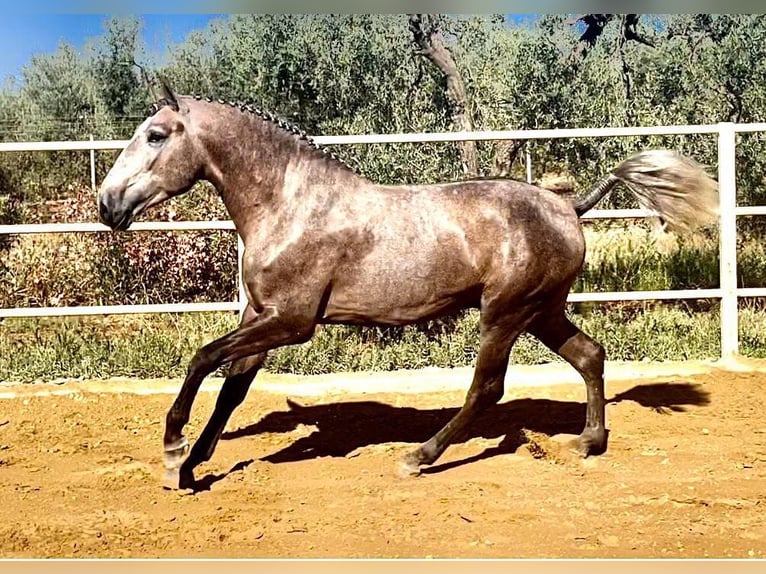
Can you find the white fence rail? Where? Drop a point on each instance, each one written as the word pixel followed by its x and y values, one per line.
pixel 727 292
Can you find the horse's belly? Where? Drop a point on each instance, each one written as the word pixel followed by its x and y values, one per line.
pixel 405 279
pixel 401 304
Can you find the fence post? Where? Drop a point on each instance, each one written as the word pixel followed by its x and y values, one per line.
pixel 528 160
pixel 241 284
pixel 92 167
pixel 727 189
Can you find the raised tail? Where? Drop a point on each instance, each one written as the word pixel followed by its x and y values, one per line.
pixel 672 185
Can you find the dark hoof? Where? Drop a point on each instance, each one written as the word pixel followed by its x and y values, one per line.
pixel 590 443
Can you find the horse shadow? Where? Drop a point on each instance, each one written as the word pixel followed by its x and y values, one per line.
pixel 343 427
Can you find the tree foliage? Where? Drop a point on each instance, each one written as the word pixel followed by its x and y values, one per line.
pixel 361 73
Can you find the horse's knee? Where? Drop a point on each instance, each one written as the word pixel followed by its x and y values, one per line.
pixel 246 366
pixel 201 362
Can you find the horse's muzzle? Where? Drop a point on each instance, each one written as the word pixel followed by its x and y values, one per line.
pixel 117 219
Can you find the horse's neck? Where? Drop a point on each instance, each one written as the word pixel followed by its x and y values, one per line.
pixel 265 174
pixel 263 190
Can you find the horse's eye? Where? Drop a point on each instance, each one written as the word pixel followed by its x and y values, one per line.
pixel 156 137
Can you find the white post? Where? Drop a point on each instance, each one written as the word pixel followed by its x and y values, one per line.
pixel 727 189
pixel 92 167
pixel 241 284
pixel 528 158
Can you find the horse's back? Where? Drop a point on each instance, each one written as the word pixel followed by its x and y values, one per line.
pixel 532 236
pixel 512 219
pixel 433 248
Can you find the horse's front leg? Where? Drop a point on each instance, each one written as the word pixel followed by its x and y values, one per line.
pixel 262 332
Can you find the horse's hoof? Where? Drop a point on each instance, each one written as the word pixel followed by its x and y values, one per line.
pixel 174 456
pixel 178 479
pixel 407 470
pixel 171 480
pixel 589 443
pixel 175 453
pixel 409 466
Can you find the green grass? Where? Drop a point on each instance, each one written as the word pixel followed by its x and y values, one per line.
pixel 161 346
pixel 94 347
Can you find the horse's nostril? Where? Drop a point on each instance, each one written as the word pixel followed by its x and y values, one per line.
pixel 103 212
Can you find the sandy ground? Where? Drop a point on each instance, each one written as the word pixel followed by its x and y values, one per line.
pixel 684 474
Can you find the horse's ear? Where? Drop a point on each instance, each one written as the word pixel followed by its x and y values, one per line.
pixel 167 93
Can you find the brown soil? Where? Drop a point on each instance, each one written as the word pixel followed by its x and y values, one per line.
pixel 684 475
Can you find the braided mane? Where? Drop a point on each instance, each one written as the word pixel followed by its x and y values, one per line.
pixel 264 115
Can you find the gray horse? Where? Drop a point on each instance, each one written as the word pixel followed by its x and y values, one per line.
pixel 326 246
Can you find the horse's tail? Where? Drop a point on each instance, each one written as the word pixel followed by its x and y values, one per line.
pixel 666 182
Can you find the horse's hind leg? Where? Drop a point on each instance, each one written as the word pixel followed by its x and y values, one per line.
pixel 233 392
pixel 498 334
pixel 587 357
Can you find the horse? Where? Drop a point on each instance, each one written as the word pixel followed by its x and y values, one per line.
pixel 324 245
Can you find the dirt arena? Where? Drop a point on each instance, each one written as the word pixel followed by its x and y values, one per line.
pixel 684 475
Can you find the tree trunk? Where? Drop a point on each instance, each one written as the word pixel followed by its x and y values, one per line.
pixel 428 38
pixel 594 27
pixel 506 154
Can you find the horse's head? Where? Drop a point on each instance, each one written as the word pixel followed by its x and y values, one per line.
pixel 160 161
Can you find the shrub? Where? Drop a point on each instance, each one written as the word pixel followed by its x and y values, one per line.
pixel 101 268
